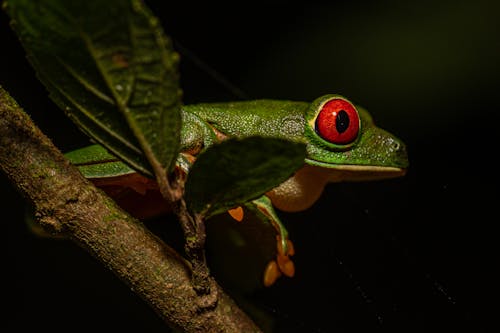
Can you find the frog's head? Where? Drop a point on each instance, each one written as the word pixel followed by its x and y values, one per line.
pixel 342 137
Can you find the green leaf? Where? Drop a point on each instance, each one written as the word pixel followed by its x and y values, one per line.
pixel 110 67
pixel 238 170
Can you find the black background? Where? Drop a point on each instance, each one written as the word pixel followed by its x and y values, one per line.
pixel 410 254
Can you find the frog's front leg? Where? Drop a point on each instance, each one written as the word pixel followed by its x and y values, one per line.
pixel 297 193
pixel 264 210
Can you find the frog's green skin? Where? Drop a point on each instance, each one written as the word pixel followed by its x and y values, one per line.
pixel 374 154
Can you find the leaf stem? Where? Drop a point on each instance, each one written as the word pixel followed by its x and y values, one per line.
pixel 193 227
pixel 195 236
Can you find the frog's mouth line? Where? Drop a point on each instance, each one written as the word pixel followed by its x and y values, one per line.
pixel 352 172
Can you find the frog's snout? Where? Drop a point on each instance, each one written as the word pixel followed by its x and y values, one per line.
pixel 399 152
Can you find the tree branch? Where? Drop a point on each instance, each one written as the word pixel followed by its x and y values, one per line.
pixel 66 202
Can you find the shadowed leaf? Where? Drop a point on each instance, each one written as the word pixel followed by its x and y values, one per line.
pixel 238 170
pixel 109 66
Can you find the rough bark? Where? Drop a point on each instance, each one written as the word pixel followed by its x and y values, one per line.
pixel 66 202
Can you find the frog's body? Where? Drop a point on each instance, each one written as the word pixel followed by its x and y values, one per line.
pixel 269 118
pixel 287 119
pixel 343 144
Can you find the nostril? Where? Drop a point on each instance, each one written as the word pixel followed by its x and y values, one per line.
pixel 398 147
pixel 402 150
pixel 394 145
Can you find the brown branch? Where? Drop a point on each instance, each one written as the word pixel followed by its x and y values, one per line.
pixel 66 202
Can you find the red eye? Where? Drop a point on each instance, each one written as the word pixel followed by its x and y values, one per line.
pixel 338 122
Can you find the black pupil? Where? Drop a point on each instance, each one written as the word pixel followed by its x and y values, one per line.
pixel 342 121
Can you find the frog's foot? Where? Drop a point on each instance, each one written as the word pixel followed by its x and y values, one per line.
pixel 282 264
pixel 236 213
pixel 285 264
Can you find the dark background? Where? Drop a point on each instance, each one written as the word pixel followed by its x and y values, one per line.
pixel 410 254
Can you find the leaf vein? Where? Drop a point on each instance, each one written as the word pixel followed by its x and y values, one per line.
pixel 97 122
pixel 99 94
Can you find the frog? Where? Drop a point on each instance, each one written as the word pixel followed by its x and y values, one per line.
pixel 343 144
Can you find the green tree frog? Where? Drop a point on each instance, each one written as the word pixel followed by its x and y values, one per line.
pixel 343 144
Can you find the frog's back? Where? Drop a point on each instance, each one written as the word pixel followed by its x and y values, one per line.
pixel 269 118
